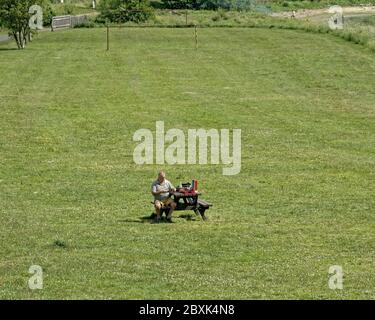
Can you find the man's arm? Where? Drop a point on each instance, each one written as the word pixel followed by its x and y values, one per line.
pixel 171 187
pixel 159 192
pixel 156 192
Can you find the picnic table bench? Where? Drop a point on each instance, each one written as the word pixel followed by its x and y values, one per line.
pixel 188 201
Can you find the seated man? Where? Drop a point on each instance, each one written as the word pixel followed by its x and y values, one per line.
pixel 160 190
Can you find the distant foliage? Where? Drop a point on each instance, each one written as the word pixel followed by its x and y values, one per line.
pixel 48 12
pixel 212 4
pixel 121 11
pixel 184 4
pixel 69 9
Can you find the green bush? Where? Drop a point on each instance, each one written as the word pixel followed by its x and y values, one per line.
pixel 178 4
pixel 121 11
pixel 69 9
pixel 48 12
pixel 86 24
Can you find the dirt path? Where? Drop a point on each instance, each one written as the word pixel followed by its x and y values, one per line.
pixel 304 13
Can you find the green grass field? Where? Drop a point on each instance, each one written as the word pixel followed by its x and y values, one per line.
pixel 72 199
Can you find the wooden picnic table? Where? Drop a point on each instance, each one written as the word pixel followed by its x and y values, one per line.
pixel 191 201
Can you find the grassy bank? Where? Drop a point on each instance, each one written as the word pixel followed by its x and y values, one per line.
pixel 359 30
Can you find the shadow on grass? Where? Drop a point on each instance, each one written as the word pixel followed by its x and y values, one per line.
pixel 144 219
pixel 9 49
pixel 151 218
pixel 188 217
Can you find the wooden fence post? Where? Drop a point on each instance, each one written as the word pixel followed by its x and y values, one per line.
pixel 196 37
pixel 107 37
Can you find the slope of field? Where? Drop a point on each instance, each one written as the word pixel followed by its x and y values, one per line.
pixel 72 199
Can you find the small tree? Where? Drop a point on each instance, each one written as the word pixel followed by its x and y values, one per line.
pixel 15 16
pixel 120 11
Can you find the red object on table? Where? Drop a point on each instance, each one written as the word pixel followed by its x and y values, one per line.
pixel 195 187
pixel 186 192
